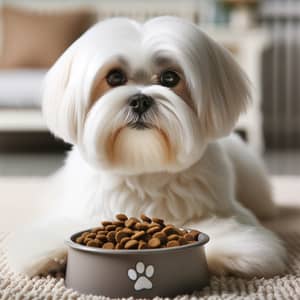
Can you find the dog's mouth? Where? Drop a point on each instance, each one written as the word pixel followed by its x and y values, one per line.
pixel 139 125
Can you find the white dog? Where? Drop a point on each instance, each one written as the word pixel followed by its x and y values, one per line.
pixel 147 107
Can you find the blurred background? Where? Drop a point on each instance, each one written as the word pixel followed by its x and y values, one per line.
pixel 263 36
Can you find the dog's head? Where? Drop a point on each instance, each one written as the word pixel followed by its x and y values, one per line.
pixel 139 98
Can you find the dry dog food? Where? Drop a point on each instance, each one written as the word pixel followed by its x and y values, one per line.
pixel 133 233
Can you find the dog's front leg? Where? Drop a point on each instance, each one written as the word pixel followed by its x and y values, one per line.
pixel 241 249
pixel 39 248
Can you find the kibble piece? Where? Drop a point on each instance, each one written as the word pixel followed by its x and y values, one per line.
pixel 121 217
pixel 118 246
pixel 168 230
pixel 100 242
pixel 141 226
pixel 104 232
pixel 119 228
pixel 184 231
pixel 111 236
pixel 124 241
pixel 195 234
pixel 188 237
pixel 173 244
pixel 157 220
pixel 182 241
pixel 138 235
pixel 120 235
pixel 190 242
pixel 154 243
pixel 93 243
pixel 173 237
pixel 145 218
pixel 101 237
pixel 108 245
pixel 79 240
pixel 105 223
pixel 154 229
pixel 86 240
pixel 142 245
pixel 154 225
pixel 118 223
pixel 95 230
pixel 85 234
pixel 178 231
pixel 132 244
pixel 110 227
pixel 128 231
pixel 134 227
pixel 160 235
pixel 147 237
pixel 91 235
pixel 130 222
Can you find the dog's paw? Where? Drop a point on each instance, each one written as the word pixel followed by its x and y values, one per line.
pixel 247 251
pixel 32 257
pixel 33 266
pixel 254 252
pixel 40 248
pixel 247 266
pixel 37 249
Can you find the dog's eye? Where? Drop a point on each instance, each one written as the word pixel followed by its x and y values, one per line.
pixel 169 78
pixel 116 77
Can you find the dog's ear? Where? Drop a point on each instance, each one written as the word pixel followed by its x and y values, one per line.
pixel 60 107
pixel 225 91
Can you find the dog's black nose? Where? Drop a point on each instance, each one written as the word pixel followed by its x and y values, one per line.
pixel 140 103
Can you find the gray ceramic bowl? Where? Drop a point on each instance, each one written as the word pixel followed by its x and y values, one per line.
pixel 139 273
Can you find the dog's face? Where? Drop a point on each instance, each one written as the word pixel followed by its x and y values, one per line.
pixel 140 98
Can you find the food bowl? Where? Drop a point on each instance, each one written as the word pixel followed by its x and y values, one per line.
pixel 143 273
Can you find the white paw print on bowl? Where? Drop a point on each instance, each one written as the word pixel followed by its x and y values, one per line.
pixel 141 275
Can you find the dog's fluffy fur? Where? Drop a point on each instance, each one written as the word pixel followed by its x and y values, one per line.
pixel 183 167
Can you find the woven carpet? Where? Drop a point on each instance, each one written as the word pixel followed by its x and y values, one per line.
pixel 286 286
pixel 279 287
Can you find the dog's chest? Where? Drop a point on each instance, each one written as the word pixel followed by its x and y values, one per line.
pixel 177 199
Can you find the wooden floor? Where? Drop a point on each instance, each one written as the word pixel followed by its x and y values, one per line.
pixel 30 164
pixel 43 164
pixel 283 162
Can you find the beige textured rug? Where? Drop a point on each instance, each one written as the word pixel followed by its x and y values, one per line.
pixel 280 287
pixel 284 287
